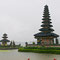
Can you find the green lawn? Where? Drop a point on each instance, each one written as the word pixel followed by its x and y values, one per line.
pixel 51 50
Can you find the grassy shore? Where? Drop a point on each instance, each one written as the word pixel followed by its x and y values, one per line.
pixel 50 50
pixel 8 47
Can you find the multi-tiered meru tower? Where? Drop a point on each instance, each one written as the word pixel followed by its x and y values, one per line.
pixel 4 40
pixel 46 35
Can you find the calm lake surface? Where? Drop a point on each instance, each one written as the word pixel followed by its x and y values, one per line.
pixel 15 55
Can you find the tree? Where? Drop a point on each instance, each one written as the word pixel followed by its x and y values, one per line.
pixel 33 43
pixel 19 45
pixel 26 43
pixel 14 44
pixel 11 44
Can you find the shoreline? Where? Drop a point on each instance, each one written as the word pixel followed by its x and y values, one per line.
pixel 8 48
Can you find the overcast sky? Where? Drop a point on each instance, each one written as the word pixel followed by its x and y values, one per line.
pixel 21 19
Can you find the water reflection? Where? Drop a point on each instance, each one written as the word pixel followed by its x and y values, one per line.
pixel 15 55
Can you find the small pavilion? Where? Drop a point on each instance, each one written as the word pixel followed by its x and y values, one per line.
pixel 4 40
pixel 46 36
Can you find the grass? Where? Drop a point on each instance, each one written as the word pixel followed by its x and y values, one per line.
pixel 8 47
pixel 4 51
pixel 50 50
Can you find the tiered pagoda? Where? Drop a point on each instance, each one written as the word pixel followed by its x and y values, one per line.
pixel 46 35
pixel 4 40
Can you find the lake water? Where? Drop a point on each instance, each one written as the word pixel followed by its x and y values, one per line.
pixel 15 55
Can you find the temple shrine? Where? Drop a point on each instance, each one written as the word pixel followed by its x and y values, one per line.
pixel 4 40
pixel 46 35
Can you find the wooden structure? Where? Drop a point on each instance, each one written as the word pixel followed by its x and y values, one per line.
pixel 46 35
pixel 4 40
